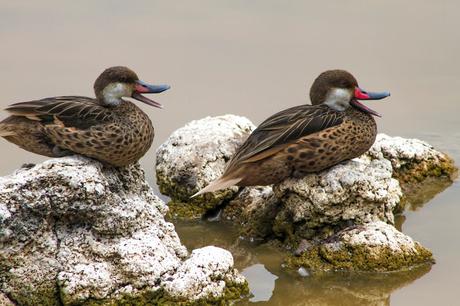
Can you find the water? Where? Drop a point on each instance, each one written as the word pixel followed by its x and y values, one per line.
pixel 255 58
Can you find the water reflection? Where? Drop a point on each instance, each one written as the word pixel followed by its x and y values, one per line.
pixel 261 282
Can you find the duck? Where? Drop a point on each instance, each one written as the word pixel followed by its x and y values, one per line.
pixel 107 128
pixel 307 138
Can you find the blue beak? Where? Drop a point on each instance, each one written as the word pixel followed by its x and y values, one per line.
pixel 378 95
pixel 145 88
pixel 149 88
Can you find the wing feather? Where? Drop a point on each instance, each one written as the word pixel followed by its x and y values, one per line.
pixel 284 128
pixel 72 111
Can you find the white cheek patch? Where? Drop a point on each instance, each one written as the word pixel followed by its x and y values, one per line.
pixel 338 99
pixel 115 91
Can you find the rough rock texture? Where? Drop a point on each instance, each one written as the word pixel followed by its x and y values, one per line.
pixel 355 192
pixel 412 160
pixel 255 210
pixel 421 170
pixel 75 232
pixel 195 155
pixel 375 246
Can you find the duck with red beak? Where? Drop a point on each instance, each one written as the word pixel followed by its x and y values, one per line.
pixel 108 128
pixel 306 138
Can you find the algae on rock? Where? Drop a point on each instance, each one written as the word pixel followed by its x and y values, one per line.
pixel 372 247
pixel 76 232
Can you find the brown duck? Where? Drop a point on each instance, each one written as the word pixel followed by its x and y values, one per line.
pixel 107 128
pixel 306 138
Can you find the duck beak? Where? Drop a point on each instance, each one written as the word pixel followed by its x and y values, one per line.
pixel 366 95
pixel 142 87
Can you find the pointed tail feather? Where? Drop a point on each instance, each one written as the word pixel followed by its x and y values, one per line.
pixel 218 184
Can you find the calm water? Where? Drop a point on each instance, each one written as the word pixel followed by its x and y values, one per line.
pixel 254 58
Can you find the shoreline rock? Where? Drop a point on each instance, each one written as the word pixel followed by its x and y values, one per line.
pixel 75 232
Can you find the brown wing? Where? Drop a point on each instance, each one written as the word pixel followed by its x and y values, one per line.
pixel 284 128
pixel 72 111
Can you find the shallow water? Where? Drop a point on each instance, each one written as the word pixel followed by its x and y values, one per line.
pixel 253 59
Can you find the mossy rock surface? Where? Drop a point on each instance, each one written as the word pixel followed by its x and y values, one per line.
pixel 232 293
pixel 374 247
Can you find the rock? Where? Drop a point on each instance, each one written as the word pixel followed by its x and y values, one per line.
pixel 205 275
pixel 375 247
pixel 195 155
pixel 355 192
pixel 254 210
pixel 412 160
pixel 421 170
pixel 75 232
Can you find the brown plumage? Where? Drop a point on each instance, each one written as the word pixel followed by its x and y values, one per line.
pixel 305 138
pixel 108 128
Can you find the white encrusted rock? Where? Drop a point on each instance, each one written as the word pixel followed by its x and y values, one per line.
pixel 73 229
pixel 204 274
pixel 402 151
pixel 375 246
pixel 196 154
pixel 358 191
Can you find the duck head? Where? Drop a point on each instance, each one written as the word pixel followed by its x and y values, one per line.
pixel 117 82
pixel 339 90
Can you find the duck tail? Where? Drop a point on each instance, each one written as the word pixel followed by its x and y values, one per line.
pixel 218 184
pixel 5 130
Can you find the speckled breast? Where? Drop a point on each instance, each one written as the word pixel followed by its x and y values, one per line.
pixel 137 134
pixel 327 148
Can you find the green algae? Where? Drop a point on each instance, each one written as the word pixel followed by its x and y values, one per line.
pixel 413 172
pixel 182 206
pixel 45 295
pixel 321 258
pixel 232 292
pixel 421 181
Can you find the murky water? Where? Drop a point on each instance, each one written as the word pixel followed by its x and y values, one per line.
pixel 254 58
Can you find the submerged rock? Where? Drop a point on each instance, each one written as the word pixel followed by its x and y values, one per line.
pixel 374 247
pixel 75 232
pixel 195 155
